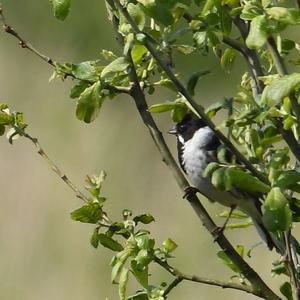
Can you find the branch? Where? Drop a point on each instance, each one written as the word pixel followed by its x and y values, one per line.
pixel 54 167
pixel 258 285
pixel 26 45
pixel 8 29
pixel 179 276
pixel 182 90
pixel 62 176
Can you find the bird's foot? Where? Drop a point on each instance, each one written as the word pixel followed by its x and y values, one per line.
pixel 189 192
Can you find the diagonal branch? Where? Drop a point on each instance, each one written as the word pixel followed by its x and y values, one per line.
pixel 182 90
pixel 180 276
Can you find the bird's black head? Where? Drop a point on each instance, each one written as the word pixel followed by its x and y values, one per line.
pixel 187 127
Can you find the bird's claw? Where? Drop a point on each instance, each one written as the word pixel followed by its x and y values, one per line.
pixel 189 192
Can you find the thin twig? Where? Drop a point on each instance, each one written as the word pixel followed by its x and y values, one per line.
pixel 182 90
pixel 24 44
pixel 194 278
pixel 55 168
pixel 172 285
pixel 105 220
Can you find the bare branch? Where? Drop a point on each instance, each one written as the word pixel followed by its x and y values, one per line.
pixel 179 276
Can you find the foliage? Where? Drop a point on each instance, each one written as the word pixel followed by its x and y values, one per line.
pixel 262 118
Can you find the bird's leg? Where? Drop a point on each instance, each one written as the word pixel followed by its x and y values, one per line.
pixel 190 191
pixel 220 230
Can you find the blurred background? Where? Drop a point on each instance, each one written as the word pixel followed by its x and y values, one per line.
pixel 43 253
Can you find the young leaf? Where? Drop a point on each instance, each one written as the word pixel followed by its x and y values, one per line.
pixel 144 218
pixel 258 32
pixel 193 80
pixel 123 283
pixel 284 15
pixel 118 65
pixel 109 243
pixel 287 179
pixel 95 238
pixel 85 71
pixel 141 274
pixel 286 290
pixel 246 181
pixel 158 10
pixel 228 262
pixel 89 213
pixel 280 88
pixel 169 245
pixel 163 107
pixel 221 180
pixel 116 270
pixel 228 58
pixel 61 8
pixel 78 89
pixel 277 215
pixel 89 103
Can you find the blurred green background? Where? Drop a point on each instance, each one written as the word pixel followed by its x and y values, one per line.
pixel 43 253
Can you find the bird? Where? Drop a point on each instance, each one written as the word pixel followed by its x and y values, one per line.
pixel 197 146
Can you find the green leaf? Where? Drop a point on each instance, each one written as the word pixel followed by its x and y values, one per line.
pixel 123 283
pixel 89 103
pixel 116 270
pixel 144 218
pixel 221 180
pixel 143 258
pixel 61 8
pixel 109 243
pixel 228 262
pixel 141 274
pixel 225 103
pixel 118 65
pixel 78 89
pixel 89 213
pixel 6 119
pixel 137 53
pixel 277 215
pixel 280 88
pixel 211 167
pixel 193 80
pixel 179 113
pixel 286 290
pixel 243 180
pixel 163 107
pixel 228 59
pixel 287 179
pixel 2 130
pixel 158 10
pixel 136 12
pixel 284 15
pixel 258 33
pixel 85 71
pixel 95 238
pixel 169 245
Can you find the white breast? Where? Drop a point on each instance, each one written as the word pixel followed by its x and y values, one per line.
pixel 195 158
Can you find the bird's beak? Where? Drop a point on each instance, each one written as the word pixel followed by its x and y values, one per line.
pixel 173 131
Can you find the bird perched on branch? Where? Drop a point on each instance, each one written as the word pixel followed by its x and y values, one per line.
pixel 197 146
